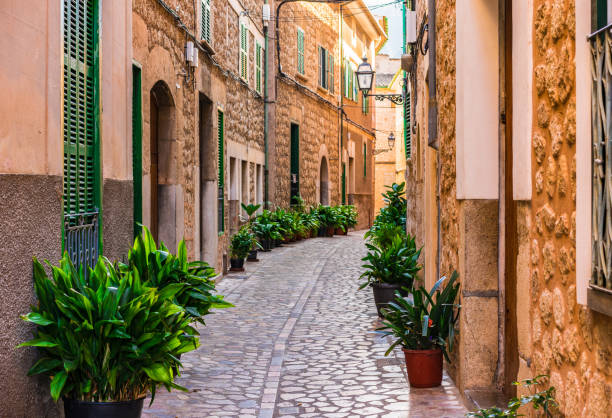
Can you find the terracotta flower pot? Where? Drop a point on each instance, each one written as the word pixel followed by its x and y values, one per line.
pixel 329 232
pixel 339 231
pixel 424 367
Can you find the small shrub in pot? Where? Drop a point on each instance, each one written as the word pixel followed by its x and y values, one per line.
pixel 241 244
pixel 423 323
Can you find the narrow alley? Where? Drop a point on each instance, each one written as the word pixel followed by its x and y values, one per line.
pixel 299 342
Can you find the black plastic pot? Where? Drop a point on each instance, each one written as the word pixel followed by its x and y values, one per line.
pixel 252 256
pixel 266 244
pixel 385 293
pixel 84 409
pixel 278 243
pixel 322 231
pixel 237 263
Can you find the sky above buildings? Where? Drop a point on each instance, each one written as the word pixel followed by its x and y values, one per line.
pixel 393 10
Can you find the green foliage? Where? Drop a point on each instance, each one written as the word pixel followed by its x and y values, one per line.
pixel 396 263
pixel 157 267
pixel 424 320
pixel 384 235
pixel 327 216
pixel 394 212
pixel 107 335
pixel 540 400
pixel 242 243
pixel 250 209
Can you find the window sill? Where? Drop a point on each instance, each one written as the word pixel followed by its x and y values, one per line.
pixel 600 300
pixel 301 77
pixel 322 89
pixel 208 47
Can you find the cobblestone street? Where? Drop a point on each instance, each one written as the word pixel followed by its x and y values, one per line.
pixel 299 343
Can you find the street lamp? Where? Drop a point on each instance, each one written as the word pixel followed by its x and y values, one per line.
pixel 365 75
pixel 391 140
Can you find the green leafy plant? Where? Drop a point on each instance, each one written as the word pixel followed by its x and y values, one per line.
pixel 105 335
pixel 159 268
pixel 384 235
pixel 543 400
pixel 395 210
pixel 349 214
pixel 424 320
pixel 250 210
pixel 242 243
pixel 327 216
pixel 310 221
pixel 397 263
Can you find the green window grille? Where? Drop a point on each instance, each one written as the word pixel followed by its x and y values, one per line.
pixel 365 159
pixel 221 175
pixel 137 146
pixel 295 161
pixel 206 32
pixel 600 13
pixel 258 67
pixel 300 51
pixel 244 52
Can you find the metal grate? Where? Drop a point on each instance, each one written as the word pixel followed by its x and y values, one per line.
pixel 81 239
pixel 601 113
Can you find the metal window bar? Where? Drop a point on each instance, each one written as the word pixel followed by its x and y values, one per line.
pixel 81 239
pixel 601 158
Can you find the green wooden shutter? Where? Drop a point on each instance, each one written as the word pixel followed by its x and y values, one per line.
pixel 220 175
pixel 206 32
pixel 343 184
pixel 332 69
pixel 258 72
pixel 81 162
pixel 295 161
pixel 407 124
pixel 300 51
pixel 320 54
pixel 329 67
pixel 137 146
pixel 365 158
pixel 244 53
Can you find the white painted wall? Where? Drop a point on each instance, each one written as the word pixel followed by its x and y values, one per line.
pixel 477 105
pixel 583 150
pixel 522 97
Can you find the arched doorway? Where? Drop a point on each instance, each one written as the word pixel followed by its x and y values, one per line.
pixel 162 169
pixel 324 182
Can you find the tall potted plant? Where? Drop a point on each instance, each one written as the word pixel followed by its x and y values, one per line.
pixel 390 266
pixel 423 323
pixel 241 244
pixel 106 338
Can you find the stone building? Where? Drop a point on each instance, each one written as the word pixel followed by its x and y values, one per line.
pixel 202 148
pixel 65 164
pixel 389 162
pixel 503 137
pixel 323 129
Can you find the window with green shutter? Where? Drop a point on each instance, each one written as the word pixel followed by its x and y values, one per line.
pixel 351 91
pixel 330 72
pixel 325 67
pixel 81 153
pixel 346 78
pixel 244 52
pixel 295 162
pixel 300 51
pixel 365 158
pixel 221 175
pixel 258 67
pixel 206 32
pixel 355 88
pixel 137 146
pixel 343 184
pixel 407 125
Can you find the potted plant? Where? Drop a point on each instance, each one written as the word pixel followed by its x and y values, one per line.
pixel 390 268
pixel 250 210
pixel 327 220
pixel 159 268
pixel 241 244
pixel 106 338
pixel 423 323
pixel 266 233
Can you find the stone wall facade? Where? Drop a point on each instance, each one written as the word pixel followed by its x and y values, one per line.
pixel 545 330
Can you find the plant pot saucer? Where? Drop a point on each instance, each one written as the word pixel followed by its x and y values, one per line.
pixel 256 260
pixel 237 268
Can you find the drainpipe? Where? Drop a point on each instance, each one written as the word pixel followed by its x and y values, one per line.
pixel 341 109
pixel 266 110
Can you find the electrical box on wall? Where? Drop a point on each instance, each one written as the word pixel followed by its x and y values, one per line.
pixel 411 26
pixel 265 14
pixel 189 52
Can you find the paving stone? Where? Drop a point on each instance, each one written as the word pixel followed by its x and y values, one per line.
pixel 300 342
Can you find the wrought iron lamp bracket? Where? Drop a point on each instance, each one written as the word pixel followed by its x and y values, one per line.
pixel 398 99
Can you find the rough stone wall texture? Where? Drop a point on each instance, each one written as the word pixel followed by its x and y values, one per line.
pixel 571 343
pixel 118 218
pixel 159 48
pixel 30 222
